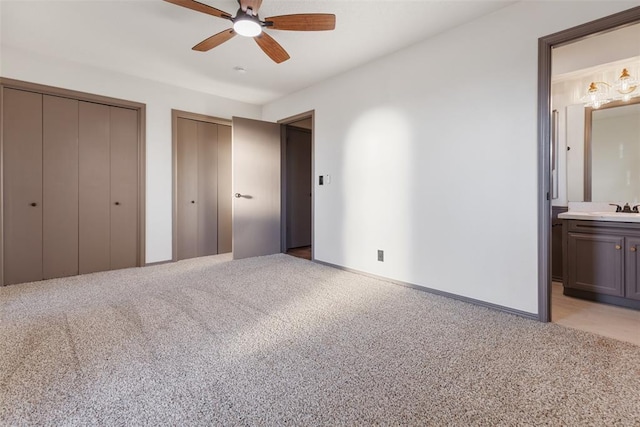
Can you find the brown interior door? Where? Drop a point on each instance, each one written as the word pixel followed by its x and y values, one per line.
pixel 224 189
pixel 22 197
pixel 299 181
pixel 60 186
pixel 256 158
pixel 207 187
pixel 94 211
pixel 187 189
pixel 124 187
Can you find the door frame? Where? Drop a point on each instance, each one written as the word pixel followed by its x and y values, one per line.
pixel 545 45
pixel 140 108
pixel 283 174
pixel 175 115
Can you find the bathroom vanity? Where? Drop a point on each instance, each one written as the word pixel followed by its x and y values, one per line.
pixel 601 257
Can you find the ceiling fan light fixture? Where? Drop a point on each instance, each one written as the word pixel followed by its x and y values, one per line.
pixel 247 25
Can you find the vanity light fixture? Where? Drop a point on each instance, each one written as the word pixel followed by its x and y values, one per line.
pixel 598 93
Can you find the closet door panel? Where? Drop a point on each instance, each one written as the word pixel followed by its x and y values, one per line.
pixel 124 187
pixel 60 187
pixel 94 207
pixel 22 152
pixel 224 189
pixel 207 201
pixel 187 189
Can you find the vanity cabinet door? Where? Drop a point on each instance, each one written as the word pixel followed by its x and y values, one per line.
pixel 596 263
pixel 632 273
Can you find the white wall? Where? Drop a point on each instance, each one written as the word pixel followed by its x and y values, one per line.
pixel 432 154
pixel 159 99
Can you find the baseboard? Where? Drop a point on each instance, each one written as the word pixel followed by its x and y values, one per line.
pixel 509 310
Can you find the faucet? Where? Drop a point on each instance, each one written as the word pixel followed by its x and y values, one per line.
pixel 626 209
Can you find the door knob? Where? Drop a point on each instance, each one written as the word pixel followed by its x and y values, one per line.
pixel 34 204
pixel 237 195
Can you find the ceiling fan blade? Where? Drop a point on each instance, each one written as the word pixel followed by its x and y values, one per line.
pixel 200 7
pixel 302 22
pixel 215 40
pixel 271 47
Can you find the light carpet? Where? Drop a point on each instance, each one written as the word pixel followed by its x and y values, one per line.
pixel 279 340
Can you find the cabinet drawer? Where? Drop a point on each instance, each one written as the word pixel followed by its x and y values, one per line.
pixel 604 227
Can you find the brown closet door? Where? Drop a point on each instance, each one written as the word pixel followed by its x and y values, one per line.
pixel 207 201
pixel 94 207
pixel 124 187
pixel 224 189
pixel 22 155
pixel 187 191
pixel 60 186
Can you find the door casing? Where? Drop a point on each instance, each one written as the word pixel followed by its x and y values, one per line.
pixel 545 44
pixel 284 122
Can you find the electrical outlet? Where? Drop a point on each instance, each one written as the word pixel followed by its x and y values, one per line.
pixel 380 255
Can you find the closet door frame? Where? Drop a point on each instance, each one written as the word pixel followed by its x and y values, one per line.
pixel 82 96
pixel 175 115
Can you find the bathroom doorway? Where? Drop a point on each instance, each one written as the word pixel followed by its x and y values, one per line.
pixel 574 58
pixel 297 187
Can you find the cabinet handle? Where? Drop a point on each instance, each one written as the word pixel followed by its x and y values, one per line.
pixel 117 203
pixel 193 201
pixel 618 247
pixel 34 204
pixel 632 248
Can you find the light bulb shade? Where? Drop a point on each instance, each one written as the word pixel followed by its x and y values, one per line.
pixel 626 84
pixel 597 95
pixel 247 25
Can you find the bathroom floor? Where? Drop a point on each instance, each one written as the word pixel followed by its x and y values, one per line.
pixel 603 319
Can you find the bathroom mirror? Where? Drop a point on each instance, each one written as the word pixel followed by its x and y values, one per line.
pixel 612 152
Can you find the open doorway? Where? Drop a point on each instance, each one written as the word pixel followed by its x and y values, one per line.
pixel 297 187
pixel 563 166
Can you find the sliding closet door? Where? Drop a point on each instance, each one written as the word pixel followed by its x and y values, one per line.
pixel 94 215
pixel 224 189
pixel 22 198
pixel 60 186
pixel 187 191
pixel 124 187
pixel 207 201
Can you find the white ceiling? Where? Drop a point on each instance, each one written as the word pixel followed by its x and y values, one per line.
pixel 153 39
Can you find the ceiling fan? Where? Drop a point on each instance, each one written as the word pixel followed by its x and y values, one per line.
pixel 248 24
